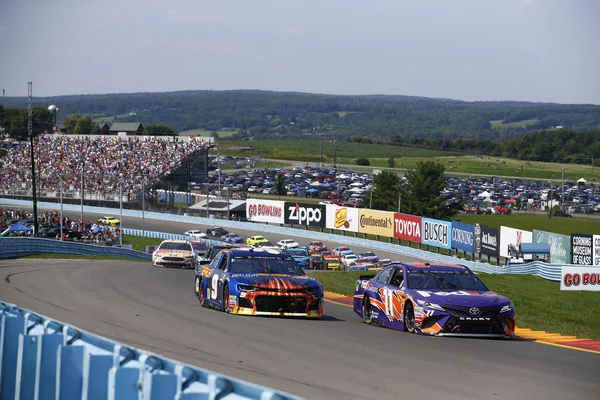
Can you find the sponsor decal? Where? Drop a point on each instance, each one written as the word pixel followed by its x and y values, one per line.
pixel 304 214
pixel 511 239
pixel 560 249
pixel 596 241
pixel 436 232
pixel 477 238
pixel 407 227
pixel 258 210
pixel 581 249
pixel 489 239
pixel 376 222
pixel 463 236
pixel 580 278
pixel 341 218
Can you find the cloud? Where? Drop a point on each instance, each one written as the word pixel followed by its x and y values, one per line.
pixel 190 17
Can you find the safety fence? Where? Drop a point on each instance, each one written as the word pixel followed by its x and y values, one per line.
pixel 44 358
pixel 547 271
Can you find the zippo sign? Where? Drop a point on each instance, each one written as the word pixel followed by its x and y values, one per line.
pixel 306 214
pixel 580 278
pixel 407 227
pixel 435 232
pixel 271 211
pixel 341 218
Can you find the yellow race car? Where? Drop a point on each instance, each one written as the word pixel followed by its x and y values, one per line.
pixel 109 220
pixel 258 241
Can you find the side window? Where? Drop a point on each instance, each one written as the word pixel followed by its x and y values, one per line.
pixel 216 261
pixel 398 278
pixel 384 275
pixel 223 262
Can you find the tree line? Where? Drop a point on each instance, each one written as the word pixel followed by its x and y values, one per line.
pixel 273 115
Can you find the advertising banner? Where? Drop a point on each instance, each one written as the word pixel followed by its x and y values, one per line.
pixel 341 218
pixel 596 242
pixel 581 249
pixel 463 236
pixel 435 232
pixel 487 240
pixel 307 214
pixel 258 210
pixel 376 222
pixel 511 239
pixel 580 278
pixel 407 227
pixel 560 249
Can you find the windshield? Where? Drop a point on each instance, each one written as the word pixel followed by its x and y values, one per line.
pixel 264 265
pixel 174 246
pixel 434 280
pixel 298 252
pixel 367 254
pixel 199 247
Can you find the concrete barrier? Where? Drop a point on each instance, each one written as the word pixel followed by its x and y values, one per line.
pixel 45 358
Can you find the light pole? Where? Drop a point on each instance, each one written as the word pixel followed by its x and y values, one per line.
pixel 143 204
pixel 82 179
pixel 371 200
pixel 60 183
pixel 121 207
pixel 399 200
pixel 562 202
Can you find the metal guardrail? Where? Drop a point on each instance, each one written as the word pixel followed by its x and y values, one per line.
pixel 544 270
pixel 45 358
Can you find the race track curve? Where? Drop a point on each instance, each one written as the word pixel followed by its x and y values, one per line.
pixel 338 357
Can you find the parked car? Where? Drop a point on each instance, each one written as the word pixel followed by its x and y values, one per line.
pixel 561 213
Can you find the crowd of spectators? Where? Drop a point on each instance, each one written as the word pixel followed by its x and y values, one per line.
pixel 105 163
pixel 78 230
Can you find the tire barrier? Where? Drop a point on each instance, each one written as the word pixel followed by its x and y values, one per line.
pixel 547 271
pixel 44 358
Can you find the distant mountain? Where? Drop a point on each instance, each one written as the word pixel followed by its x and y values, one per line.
pixel 271 115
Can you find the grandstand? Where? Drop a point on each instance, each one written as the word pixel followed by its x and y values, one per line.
pixel 106 165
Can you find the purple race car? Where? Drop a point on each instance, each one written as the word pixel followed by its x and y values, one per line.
pixel 368 256
pixel 442 300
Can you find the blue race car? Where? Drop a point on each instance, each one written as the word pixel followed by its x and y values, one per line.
pixel 300 255
pixel 368 256
pixel 258 282
pixel 232 238
pixel 442 300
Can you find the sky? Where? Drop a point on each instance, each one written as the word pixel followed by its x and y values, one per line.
pixel 472 50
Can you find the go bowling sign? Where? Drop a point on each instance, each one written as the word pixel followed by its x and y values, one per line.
pixel 437 233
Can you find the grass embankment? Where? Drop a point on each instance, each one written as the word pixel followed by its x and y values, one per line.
pixel 405 158
pixel 540 304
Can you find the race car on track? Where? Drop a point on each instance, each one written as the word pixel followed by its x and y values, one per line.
pixel 258 240
pixel 316 247
pixel 258 282
pixel 194 234
pixel 232 238
pixel 288 244
pixel 174 253
pixel 329 260
pixel 443 300
pixel 368 256
pixel 109 220
pixel 342 251
pixel 300 255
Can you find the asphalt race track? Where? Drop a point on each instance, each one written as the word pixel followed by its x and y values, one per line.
pixel 337 357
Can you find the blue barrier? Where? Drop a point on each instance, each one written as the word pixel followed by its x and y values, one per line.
pixel 544 270
pixel 44 358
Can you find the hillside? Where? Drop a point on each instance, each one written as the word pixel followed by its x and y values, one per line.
pixel 273 115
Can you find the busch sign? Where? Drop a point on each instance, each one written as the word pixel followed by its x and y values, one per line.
pixel 436 232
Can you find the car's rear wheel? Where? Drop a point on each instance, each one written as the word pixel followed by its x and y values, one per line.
pixel 201 292
pixel 367 313
pixel 409 317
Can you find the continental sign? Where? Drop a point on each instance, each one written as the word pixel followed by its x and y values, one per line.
pixel 341 218
pixel 376 222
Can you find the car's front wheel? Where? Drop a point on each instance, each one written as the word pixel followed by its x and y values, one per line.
pixel 367 313
pixel 409 317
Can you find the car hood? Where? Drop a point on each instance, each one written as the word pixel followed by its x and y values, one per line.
pixel 275 281
pixel 461 298
pixel 176 253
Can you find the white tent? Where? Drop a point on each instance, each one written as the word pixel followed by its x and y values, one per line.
pixel 582 181
pixel 485 194
pixel 356 184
